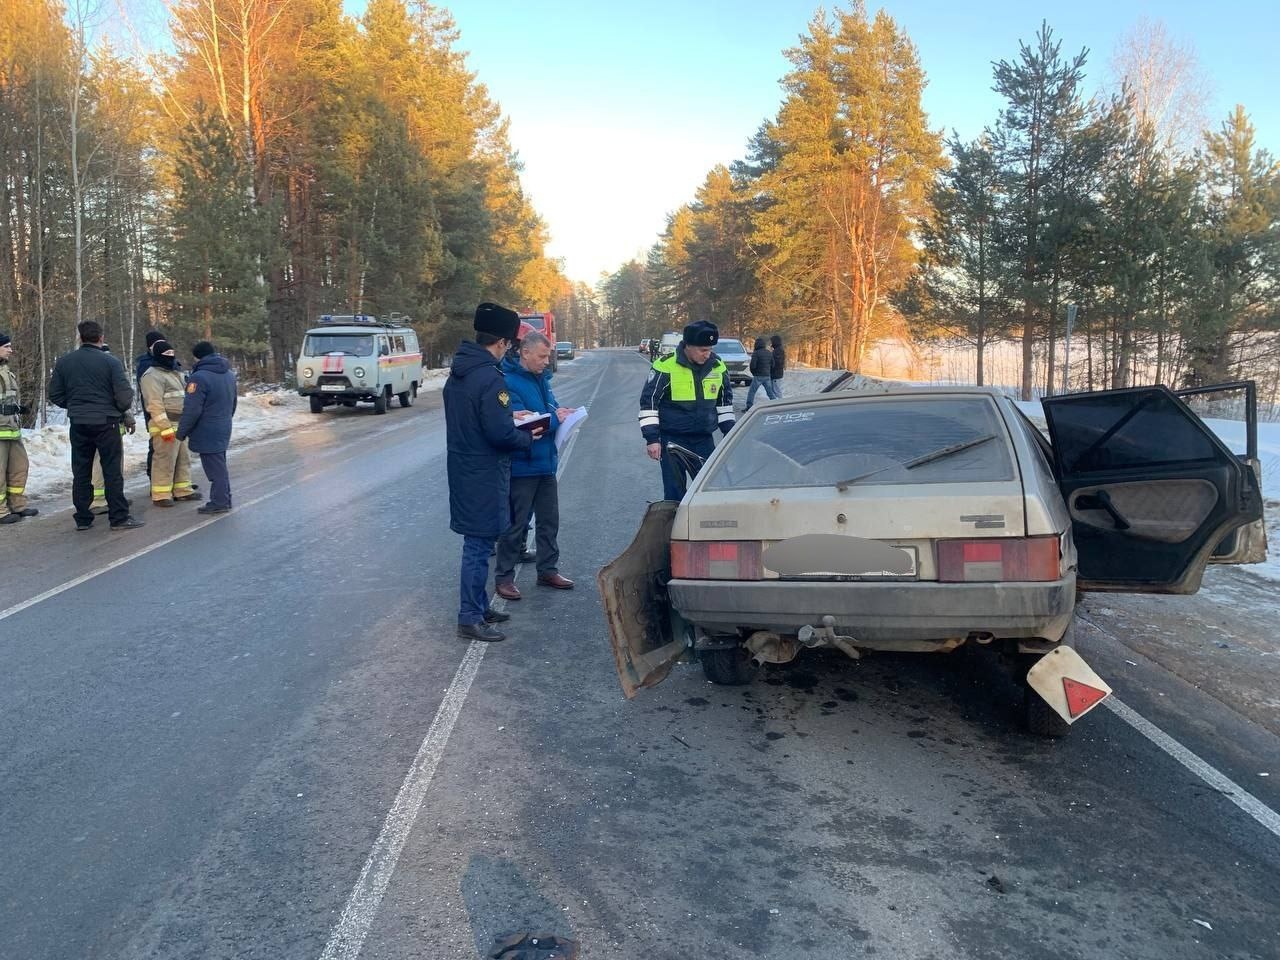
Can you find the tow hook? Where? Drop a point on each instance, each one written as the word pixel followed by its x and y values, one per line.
pixel 826 636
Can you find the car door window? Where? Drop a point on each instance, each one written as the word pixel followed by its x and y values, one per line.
pixel 1111 431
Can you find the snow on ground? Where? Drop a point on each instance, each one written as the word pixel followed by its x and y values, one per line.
pixel 260 413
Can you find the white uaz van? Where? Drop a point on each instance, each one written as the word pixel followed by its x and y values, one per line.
pixel 348 359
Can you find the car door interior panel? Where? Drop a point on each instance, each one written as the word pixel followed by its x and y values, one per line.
pixel 1169 511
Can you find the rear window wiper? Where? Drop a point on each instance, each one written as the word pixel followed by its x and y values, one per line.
pixel 919 461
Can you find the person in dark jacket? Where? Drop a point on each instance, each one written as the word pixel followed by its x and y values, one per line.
pixel 533 472
pixel 206 421
pixel 686 397
pixel 779 365
pixel 91 385
pixel 761 372
pixel 481 435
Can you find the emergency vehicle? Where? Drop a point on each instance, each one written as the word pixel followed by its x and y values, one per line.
pixel 353 358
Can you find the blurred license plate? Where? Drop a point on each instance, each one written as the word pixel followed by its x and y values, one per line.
pixel 332 387
pixel 910 574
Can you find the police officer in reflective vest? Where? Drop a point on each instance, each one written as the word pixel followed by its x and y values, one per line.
pixel 687 396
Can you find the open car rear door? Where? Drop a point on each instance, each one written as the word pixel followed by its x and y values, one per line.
pixel 1151 490
pixel 647 635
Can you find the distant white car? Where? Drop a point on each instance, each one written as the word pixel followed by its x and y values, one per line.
pixel 736 358
pixel 920 520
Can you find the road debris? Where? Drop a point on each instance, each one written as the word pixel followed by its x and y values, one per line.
pixel 1203 923
pixel 996 884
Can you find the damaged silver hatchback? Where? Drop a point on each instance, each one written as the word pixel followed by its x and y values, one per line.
pixel 923 519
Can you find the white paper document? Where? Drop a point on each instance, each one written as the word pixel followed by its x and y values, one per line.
pixel 568 425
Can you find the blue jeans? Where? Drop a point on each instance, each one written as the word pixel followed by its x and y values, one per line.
pixel 777 389
pixel 475 575
pixel 756 384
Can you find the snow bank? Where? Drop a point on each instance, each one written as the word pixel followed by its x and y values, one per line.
pixel 260 413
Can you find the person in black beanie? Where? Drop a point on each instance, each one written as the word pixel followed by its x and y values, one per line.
pixel 141 365
pixel 163 389
pixel 481 434
pixel 207 410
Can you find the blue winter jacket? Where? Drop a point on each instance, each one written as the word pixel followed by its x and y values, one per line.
pixel 209 406
pixel 529 392
pixel 480 435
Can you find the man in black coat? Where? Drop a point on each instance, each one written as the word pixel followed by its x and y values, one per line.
pixel 481 435
pixel 91 385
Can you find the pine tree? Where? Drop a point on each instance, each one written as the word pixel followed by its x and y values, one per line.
pixel 849 186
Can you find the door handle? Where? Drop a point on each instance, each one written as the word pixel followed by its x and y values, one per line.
pixel 1101 500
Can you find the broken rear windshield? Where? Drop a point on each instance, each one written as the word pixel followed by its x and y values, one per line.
pixel 875 440
pixel 318 344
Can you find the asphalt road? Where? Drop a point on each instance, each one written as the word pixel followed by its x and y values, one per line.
pixel 204 744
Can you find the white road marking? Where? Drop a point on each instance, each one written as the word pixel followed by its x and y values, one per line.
pixel 1241 797
pixel 84 578
pixel 348 936
pixel 362 906
pixel 200 525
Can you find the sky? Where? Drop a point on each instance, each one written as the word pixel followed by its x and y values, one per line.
pixel 618 112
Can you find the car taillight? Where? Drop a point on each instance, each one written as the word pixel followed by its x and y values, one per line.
pixel 999 559
pixel 715 560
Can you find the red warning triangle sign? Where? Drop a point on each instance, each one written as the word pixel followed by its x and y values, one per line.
pixel 1080 696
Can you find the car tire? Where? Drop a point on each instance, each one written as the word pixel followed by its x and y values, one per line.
pixel 380 403
pixel 1038 718
pixel 732 667
pixel 406 398
pixel 317 405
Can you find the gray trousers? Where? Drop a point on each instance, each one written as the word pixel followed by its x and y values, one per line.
pixel 541 497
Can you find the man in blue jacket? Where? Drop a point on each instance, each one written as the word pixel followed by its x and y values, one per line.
pixel 481 435
pixel 206 421
pixel 533 472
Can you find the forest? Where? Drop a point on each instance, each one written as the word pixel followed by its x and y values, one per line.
pixel 277 160
pixel 853 220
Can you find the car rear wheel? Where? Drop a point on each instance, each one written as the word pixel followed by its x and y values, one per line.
pixel 1038 718
pixel 406 398
pixel 731 668
pixel 380 403
pixel 317 405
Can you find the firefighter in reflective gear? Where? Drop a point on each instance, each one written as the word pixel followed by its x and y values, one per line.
pixel 163 394
pixel 13 455
pixel 686 398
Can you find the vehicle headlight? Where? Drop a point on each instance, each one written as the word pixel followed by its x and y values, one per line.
pixel 307 373
pixel 359 372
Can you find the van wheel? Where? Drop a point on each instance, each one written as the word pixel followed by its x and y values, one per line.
pixel 731 668
pixel 1038 718
pixel 317 405
pixel 406 398
pixel 380 403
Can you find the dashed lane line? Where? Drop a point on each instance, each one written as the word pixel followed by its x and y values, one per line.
pixel 186 532
pixel 348 935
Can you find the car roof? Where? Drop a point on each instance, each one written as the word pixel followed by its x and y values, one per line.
pixel 370 330
pixel 889 390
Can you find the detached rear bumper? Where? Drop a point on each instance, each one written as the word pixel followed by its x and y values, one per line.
pixel 880 611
